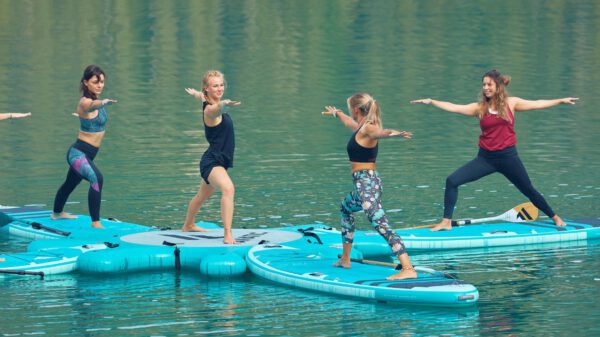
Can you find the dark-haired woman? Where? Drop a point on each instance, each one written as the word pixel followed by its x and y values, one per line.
pixel 497 143
pixel 365 121
pixel 80 156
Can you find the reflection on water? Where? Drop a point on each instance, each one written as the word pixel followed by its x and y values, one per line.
pixel 285 60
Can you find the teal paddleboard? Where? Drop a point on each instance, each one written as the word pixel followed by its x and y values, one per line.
pixel 311 267
pixel 500 234
pixel 46 261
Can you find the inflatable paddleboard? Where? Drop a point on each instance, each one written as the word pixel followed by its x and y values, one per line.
pixel 499 234
pixel 204 251
pixel 35 223
pixel 46 261
pixel 311 267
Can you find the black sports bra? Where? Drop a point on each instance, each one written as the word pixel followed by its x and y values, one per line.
pixel 360 154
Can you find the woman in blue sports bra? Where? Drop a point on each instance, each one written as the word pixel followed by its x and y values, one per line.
pixel 80 156
pixel 365 121
pixel 218 130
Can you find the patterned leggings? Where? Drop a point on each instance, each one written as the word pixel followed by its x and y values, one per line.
pixel 367 196
pixel 81 166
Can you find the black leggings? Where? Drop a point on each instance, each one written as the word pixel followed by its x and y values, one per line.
pixel 81 166
pixel 505 161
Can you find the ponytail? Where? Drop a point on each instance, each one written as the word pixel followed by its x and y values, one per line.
pixel 367 106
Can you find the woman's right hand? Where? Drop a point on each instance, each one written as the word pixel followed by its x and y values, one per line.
pixel 197 94
pixel 422 101
pixel 331 111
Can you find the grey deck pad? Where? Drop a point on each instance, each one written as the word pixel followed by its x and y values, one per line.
pixel 212 238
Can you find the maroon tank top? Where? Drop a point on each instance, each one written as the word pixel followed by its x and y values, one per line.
pixel 497 133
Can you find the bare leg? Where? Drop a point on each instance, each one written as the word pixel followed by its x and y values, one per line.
pixel 204 192
pixel 62 215
pixel 407 272
pixel 220 180
pixel 558 221
pixel 445 224
pixel 344 261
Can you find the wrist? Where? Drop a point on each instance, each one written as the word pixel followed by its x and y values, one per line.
pixel 334 114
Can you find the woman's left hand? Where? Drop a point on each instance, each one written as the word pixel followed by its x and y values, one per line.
pixel 230 102
pixel 396 133
pixel 569 100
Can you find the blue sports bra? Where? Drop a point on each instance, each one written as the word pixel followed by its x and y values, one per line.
pixel 95 124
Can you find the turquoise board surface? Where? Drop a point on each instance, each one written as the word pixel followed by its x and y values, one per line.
pixel 499 234
pixel 48 261
pixel 35 223
pixel 311 267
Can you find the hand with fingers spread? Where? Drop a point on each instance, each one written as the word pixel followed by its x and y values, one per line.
pixel 331 111
pixel 230 102
pixel 569 100
pixel 421 101
pixel 396 133
pixel 197 94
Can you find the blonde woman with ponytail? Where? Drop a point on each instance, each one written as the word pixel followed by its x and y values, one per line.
pixel 497 143
pixel 365 121
pixel 218 130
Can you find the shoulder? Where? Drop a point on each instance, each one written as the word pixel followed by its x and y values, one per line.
pixel 85 104
pixel 512 102
pixel 369 129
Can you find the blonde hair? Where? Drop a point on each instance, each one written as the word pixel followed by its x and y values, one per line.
pixel 500 99
pixel 367 106
pixel 207 76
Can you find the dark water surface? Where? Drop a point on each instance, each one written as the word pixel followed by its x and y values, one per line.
pixel 286 60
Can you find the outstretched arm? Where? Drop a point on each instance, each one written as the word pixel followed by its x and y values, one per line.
pixel 88 105
pixel 345 119
pixel 212 110
pixel 12 115
pixel 466 109
pixel 375 132
pixel 520 104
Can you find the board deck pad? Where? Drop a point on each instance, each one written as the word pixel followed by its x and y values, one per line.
pixel 212 238
pixel 313 268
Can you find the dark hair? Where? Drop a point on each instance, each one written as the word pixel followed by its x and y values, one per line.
pixel 89 72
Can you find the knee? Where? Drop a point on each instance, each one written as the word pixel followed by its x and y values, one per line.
pixel 100 179
pixel 451 182
pixel 228 190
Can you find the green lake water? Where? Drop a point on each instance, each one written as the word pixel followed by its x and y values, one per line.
pixel 285 60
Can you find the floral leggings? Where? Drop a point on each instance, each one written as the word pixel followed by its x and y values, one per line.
pixel 367 196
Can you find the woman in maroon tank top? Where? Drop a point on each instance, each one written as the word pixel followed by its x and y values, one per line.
pixel 497 143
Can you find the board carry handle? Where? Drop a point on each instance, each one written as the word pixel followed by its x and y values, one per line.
pixel 39 226
pixel 396 266
pixel 307 232
pixel 5 219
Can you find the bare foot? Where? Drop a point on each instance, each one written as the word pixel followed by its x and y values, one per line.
pixel 97 224
pixel 62 215
pixel 445 225
pixel 558 221
pixel 405 273
pixel 342 264
pixel 193 228
pixel 229 240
